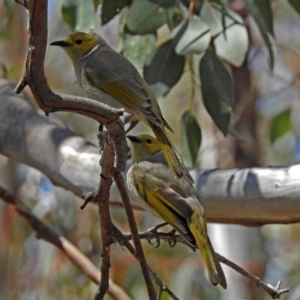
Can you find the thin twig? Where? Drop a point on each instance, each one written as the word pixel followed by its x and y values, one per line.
pixel 133 228
pixel 274 292
pixel 46 233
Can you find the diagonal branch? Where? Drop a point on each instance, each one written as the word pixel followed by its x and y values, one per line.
pixel 274 292
pixel 46 233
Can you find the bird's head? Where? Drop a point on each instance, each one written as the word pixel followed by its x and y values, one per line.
pixel 143 146
pixel 77 44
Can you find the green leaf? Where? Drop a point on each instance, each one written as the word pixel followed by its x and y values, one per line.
pixel 96 4
pixel 137 48
pixel 216 89
pixel 195 39
pixel 190 137
pixel 79 15
pixel 85 16
pixel 145 16
pixel 179 30
pixel 295 4
pixel 261 11
pixel 163 3
pixel 69 12
pixel 229 33
pixel 111 8
pixel 164 68
pixel 281 124
pixel 9 5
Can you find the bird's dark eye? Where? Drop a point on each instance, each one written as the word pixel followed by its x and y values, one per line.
pixel 148 141
pixel 78 42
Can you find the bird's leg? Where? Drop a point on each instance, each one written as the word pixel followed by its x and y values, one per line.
pixel 154 231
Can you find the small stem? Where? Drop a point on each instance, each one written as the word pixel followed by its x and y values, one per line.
pixel 47 234
pixel 193 81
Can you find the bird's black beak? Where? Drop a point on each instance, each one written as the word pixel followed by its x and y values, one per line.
pixel 133 139
pixel 60 43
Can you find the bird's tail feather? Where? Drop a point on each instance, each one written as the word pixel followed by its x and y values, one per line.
pixel 173 158
pixel 213 266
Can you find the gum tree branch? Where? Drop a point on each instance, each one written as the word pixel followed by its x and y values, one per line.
pixel 253 196
pixel 46 233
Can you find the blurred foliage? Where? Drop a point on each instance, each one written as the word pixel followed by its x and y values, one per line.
pixel 190 137
pixel 160 37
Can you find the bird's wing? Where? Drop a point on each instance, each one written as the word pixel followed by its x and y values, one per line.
pixel 163 195
pixel 122 81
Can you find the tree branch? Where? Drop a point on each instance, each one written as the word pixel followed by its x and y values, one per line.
pixel 46 233
pixel 102 197
pixel 253 196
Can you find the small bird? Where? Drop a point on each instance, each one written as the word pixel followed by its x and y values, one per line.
pixel 108 77
pixel 157 190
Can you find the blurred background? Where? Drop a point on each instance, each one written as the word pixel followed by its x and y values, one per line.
pixel 265 112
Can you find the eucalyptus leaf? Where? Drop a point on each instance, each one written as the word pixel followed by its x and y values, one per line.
pixel 261 11
pixel 179 30
pixel 9 5
pixel 145 16
pixel 190 137
pixel 229 33
pixel 96 4
pixel 280 125
pixel 69 12
pixel 195 39
pixel 163 3
pixel 164 68
pixel 296 5
pixel 216 89
pixel 111 8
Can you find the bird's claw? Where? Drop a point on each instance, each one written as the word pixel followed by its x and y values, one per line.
pixel 157 238
pixel 172 241
pixel 153 230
